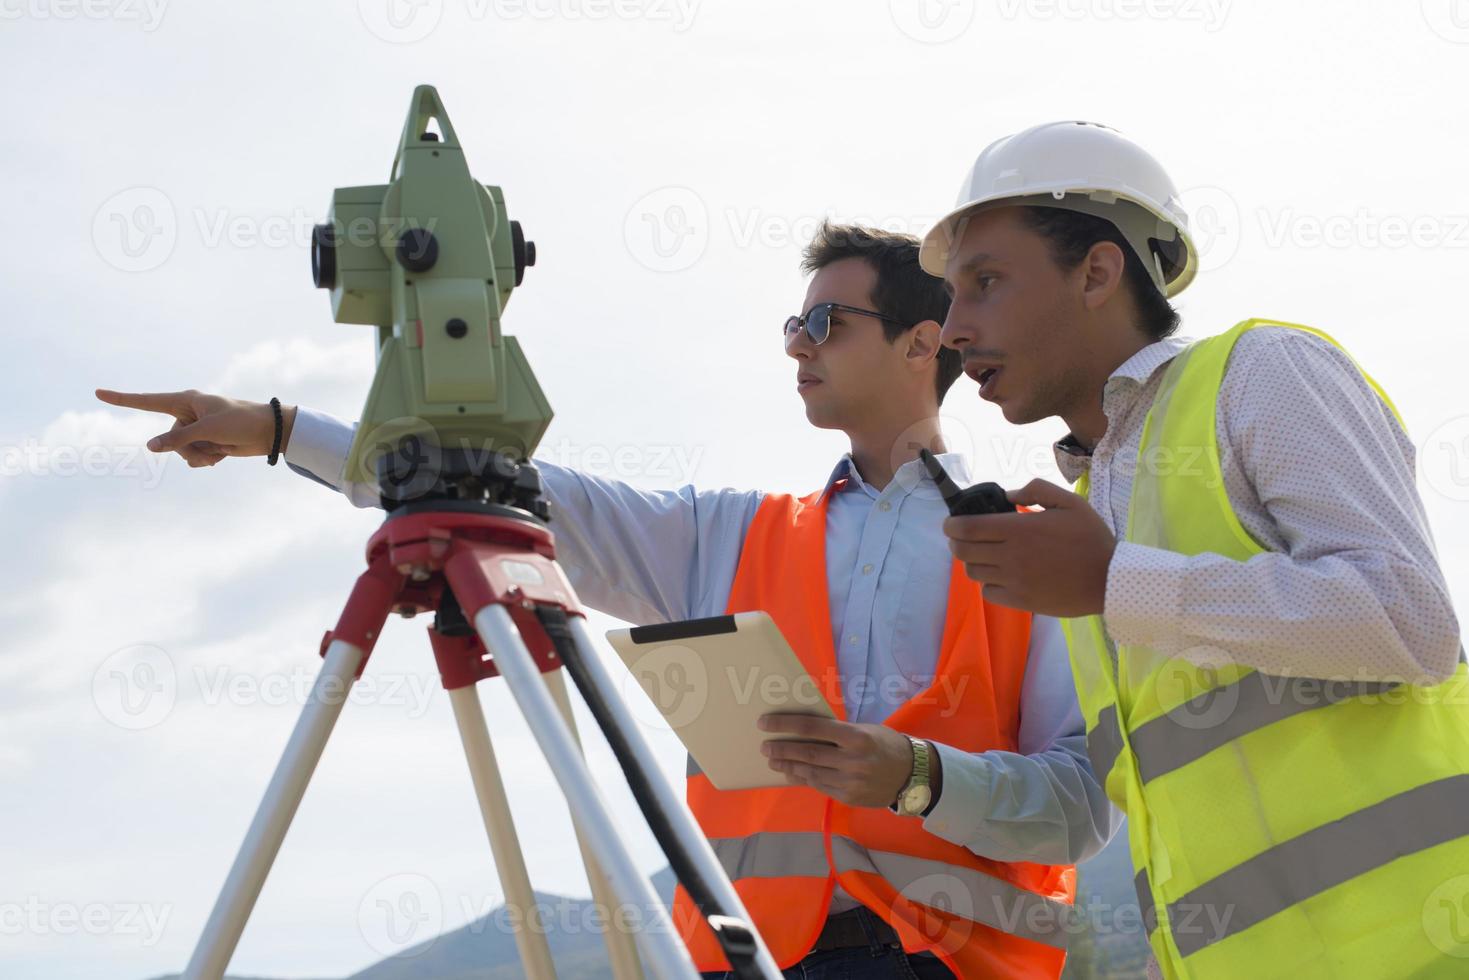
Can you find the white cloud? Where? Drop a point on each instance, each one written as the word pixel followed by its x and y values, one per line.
pixel 301 363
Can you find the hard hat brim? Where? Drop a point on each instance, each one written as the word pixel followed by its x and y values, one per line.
pixel 939 240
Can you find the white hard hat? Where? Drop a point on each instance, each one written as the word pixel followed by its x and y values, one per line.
pixel 1078 166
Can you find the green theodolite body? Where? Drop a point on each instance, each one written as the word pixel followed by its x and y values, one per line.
pixel 431 258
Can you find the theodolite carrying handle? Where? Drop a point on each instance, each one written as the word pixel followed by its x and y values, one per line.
pixel 425 106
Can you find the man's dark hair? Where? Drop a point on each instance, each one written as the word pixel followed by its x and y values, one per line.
pixel 903 291
pixel 1071 234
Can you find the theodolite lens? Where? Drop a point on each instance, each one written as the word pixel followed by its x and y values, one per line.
pixel 523 251
pixel 323 257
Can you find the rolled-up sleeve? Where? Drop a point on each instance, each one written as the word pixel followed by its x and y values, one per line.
pixel 1354 591
pixel 644 556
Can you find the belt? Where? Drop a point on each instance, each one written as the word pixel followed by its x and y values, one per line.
pixel 846 929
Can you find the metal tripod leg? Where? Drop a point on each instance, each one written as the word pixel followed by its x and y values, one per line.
pixel 670 801
pixel 661 946
pixel 494 807
pixel 620 947
pixel 273 818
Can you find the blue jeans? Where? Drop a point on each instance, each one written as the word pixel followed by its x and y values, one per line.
pixel 875 961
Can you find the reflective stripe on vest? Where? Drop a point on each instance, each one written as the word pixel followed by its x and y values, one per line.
pixel 1145 907
pixel 1294 826
pixel 1199 726
pixel 1295 870
pixel 972 894
pixel 1215 718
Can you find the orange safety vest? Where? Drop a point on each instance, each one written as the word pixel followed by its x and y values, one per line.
pixel 786 848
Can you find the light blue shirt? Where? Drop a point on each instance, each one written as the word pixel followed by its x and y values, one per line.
pixel 649 556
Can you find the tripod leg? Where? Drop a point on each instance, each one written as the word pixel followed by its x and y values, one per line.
pixel 620 947
pixel 660 943
pixel 535 952
pixel 273 818
pixel 687 829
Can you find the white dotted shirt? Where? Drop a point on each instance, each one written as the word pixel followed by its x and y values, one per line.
pixel 1321 475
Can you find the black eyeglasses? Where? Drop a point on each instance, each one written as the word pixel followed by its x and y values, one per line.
pixel 817 320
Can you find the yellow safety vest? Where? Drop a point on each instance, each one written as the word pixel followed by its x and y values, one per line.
pixel 1280 827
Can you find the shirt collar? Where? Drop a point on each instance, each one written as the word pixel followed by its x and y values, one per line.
pixel 908 476
pixel 1142 365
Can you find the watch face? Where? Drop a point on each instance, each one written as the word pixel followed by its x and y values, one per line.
pixel 916 799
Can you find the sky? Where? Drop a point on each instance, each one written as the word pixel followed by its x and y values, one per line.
pixel 163 162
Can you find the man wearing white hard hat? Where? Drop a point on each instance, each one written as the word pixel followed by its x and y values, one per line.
pixel 1262 640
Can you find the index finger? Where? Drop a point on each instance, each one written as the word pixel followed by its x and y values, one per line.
pixel 983 527
pixel 809 726
pixel 167 402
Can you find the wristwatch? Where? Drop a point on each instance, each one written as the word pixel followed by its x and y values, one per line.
pixel 915 797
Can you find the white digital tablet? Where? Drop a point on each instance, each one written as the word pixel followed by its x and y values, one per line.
pixel 711 679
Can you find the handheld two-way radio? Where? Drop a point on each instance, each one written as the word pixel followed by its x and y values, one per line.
pixel 982 498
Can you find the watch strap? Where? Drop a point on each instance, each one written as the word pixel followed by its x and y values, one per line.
pixel 922 774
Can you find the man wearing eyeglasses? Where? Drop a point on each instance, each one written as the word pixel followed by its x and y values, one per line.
pixel 937 834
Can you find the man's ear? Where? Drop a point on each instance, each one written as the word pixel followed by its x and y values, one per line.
pixel 923 343
pixel 1102 272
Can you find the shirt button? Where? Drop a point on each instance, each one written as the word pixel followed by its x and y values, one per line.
pixel 885 505
pixel 866 569
pixel 853 638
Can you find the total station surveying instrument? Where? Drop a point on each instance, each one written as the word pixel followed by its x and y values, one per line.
pixel 453 415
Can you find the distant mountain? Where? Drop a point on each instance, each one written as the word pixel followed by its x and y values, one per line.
pixel 485 949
